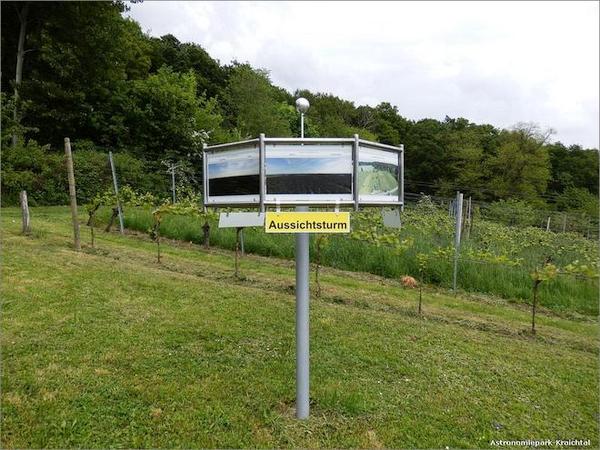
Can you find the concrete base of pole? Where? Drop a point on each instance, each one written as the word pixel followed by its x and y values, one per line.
pixel 302 323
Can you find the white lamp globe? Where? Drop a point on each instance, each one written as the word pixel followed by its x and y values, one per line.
pixel 302 105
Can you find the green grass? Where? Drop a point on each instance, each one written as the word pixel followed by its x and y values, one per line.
pixel 565 294
pixel 107 348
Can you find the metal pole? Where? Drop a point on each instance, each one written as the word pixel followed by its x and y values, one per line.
pixel 401 169
pixel 355 150
pixel 204 177
pixel 302 125
pixel 302 326
pixel 173 181
pixel 261 170
pixel 114 175
pixel 458 215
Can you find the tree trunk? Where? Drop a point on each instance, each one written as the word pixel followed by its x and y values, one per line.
pixel 20 57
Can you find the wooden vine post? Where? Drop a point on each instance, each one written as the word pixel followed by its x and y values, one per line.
pixel 26 228
pixel 206 234
pixel 155 232
pixel 72 195
pixel 422 262
pixel 546 273
pixel 92 208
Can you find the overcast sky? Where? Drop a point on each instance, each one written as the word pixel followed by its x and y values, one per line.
pixel 490 62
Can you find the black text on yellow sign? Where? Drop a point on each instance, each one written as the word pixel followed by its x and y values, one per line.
pixel 307 222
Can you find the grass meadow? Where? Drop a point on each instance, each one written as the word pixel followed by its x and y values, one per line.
pixel 107 348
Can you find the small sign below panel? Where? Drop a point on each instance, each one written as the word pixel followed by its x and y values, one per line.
pixel 307 222
pixel 241 219
pixel 391 219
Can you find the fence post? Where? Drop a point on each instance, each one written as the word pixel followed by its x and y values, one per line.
pixel 458 209
pixel 548 224
pixel 470 218
pixel 173 181
pixel 564 227
pixel 467 221
pixel 114 176
pixel 26 228
pixel 72 194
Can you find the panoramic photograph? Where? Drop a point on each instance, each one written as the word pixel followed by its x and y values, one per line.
pixel 319 170
pixel 377 172
pixel 233 172
pixel 295 224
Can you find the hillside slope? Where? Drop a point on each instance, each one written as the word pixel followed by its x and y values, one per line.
pixel 107 348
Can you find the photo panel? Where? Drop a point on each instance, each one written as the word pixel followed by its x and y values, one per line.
pixel 233 175
pixel 317 172
pixel 377 175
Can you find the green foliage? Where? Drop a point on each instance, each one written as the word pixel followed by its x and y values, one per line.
pixel 165 118
pixel 189 206
pixel 573 166
pixel 183 57
pixel 83 53
pixel 547 272
pixel 31 167
pixel 253 104
pixel 93 173
pixel 42 173
pixel 512 212
pixel 578 200
pixel 521 167
pixel 495 260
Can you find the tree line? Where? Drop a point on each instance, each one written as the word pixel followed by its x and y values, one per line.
pixel 84 70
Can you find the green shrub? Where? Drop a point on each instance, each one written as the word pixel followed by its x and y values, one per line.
pixel 31 167
pixel 42 173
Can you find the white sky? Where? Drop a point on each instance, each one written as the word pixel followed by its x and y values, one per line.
pixel 490 62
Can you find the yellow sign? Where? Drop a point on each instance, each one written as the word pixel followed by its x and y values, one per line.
pixel 307 222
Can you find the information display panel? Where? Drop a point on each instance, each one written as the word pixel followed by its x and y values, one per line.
pixel 303 171
pixel 378 175
pixel 308 173
pixel 233 175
